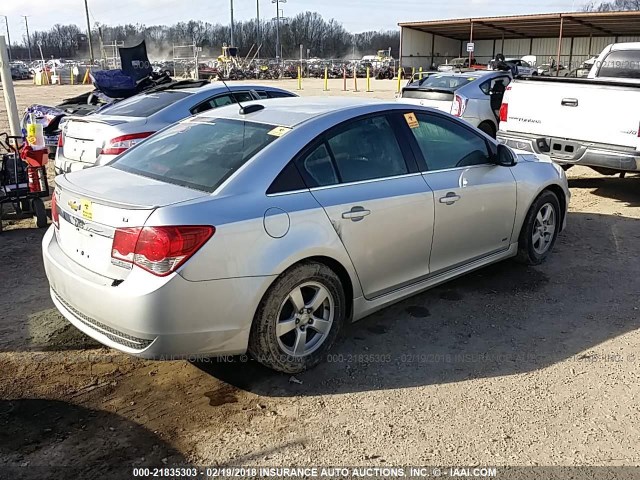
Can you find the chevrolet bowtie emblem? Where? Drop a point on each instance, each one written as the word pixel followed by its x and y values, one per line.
pixel 73 205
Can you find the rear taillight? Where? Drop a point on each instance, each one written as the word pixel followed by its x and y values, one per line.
pixel 159 250
pixel 61 139
pixel 117 145
pixel 55 215
pixel 459 106
pixel 504 112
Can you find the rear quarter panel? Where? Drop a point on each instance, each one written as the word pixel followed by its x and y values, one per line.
pixel 257 235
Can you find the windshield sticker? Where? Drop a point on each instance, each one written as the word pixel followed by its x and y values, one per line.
pixel 279 131
pixel 411 119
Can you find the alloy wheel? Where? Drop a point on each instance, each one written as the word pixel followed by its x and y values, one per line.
pixel 305 319
pixel 544 229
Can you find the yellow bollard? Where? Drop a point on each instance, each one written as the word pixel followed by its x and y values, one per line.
pixel 326 79
pixel 355 79
pixel 299 78
pixel 86 78
pixel 368 80
pixel 413 71
pixel 399 79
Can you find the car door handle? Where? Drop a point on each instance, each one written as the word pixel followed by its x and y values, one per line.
pixel 450 198
pixel 569 102
pixel 356 214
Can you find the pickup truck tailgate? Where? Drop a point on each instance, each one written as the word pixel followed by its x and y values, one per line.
pixel 577 109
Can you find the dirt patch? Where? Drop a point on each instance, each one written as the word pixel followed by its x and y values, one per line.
pixel 482 370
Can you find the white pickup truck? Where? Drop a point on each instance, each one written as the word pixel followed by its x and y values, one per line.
pixel 591 121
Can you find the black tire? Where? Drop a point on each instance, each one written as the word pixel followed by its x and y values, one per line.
pixel 527 252
pixel 264 344
pixel 25 206
pixel 488 128
pixel 39 213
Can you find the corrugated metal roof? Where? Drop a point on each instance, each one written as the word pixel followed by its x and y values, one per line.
pixel 575 24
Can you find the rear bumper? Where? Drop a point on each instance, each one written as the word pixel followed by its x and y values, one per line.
pixel 152 317
pixel 583 153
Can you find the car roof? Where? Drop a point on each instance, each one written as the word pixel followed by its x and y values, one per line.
pixel 625 46
pixel 470 73
pixel 213 86
pixel 291 111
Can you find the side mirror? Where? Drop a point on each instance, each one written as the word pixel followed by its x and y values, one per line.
pixel 505 157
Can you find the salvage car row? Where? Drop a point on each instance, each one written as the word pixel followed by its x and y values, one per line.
pixel 263 224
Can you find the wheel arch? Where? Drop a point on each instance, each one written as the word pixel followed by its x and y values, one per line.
pixel 348 280
pixel 559 192
pixel 344 277
pixel 491 125
pixel 562 199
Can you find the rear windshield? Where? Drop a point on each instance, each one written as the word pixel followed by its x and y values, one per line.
pixel 621 64
pixel 144 104
pixel 197 154
pixel 446 82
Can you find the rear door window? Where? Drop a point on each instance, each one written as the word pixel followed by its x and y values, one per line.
pixel 145 104
pixel 360 150
pixel 367 149
pixel 621 64
pixel 318 167
pixel 197 154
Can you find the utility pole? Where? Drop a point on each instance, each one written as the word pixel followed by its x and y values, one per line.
pixel 7 89
pixel 232 44
pixel 26 23
pixel 86 10
pixel 6 22
pixel 258 24
pixel 278 46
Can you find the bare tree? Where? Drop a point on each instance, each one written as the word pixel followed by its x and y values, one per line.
pixel 323 38
pixel 612 6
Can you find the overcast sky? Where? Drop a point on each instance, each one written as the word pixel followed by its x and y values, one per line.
pixel 356 15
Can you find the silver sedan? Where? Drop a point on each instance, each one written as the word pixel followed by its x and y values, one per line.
pixel 96 139
pixel 266 228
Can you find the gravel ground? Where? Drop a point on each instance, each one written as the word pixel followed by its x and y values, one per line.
pixel 507 366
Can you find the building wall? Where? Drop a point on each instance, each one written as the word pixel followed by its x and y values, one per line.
pixel 416 48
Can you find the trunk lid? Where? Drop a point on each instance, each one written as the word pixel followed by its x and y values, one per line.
pixel 438 99
pixel 93 203
pixel 582 110
pixel 84 137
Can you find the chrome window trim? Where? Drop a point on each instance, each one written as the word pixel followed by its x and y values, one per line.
pixel 360 182
pixel 489 164
pixel 289 192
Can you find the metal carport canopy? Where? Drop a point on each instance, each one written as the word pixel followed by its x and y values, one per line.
pixel 534 26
